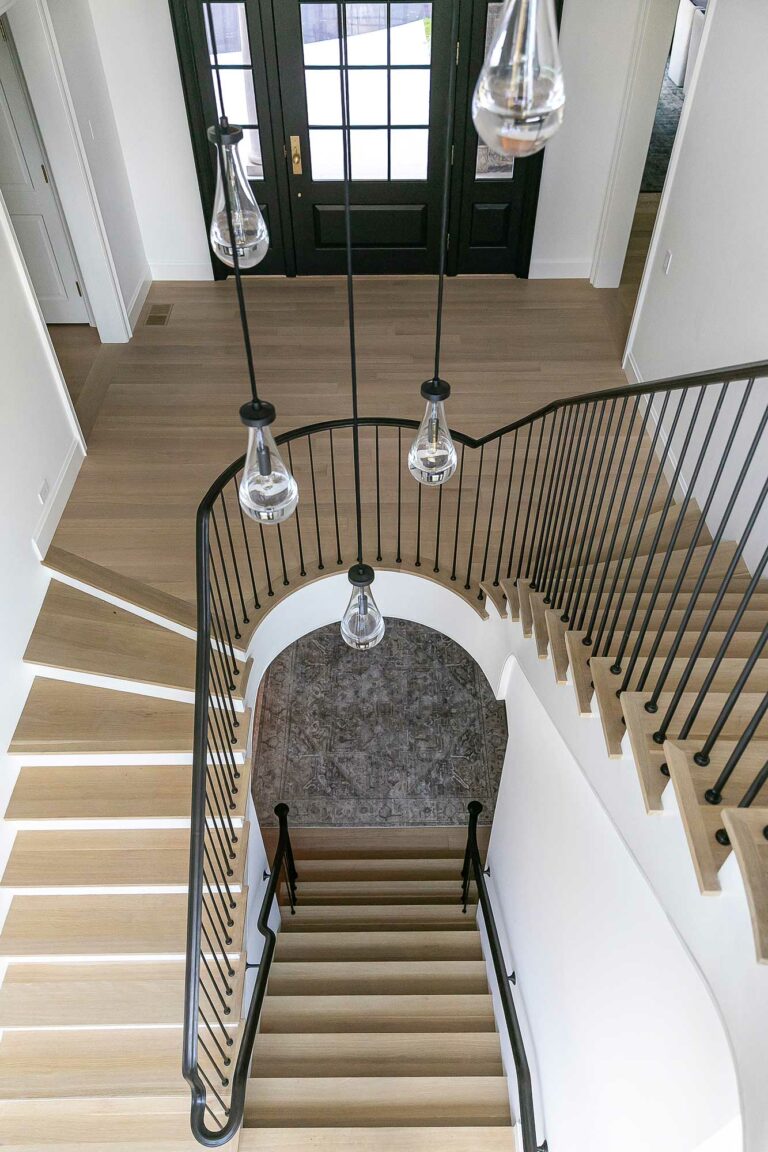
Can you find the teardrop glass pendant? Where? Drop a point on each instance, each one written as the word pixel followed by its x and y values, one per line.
pixel 362 625
pixel 251 235
pixel 268 491
pixel 519 98
pixel 432 457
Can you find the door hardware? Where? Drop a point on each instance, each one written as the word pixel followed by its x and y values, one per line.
pixel 296 155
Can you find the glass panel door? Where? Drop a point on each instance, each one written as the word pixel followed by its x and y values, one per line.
pixel 397 57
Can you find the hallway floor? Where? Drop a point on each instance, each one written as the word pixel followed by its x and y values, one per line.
pixel 168 422
pixel 406 734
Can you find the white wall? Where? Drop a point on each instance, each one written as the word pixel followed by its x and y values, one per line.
pixel 709 311
pixel 79 49
pixel 142 71
pixel 631 1051
pixel 39 441
pixel 597 39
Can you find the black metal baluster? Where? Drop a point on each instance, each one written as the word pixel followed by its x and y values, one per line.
pixel 506 509
pixel 398 556
pixel 572 537
pixel 256 604
pixel 297 518
pixel 418 526
pixel 222 610
pixel 520 491
pixel 490 517
pixel 564 540
pixel 235 565
pixel 265 557
pixel 225 574
pixel 437 528
pixel 458 513
pixel 474 517
pixel 560 543
pixel 542 554
pixel 702 757
pixel 530 504
pixel 551 465
pixel 714 795
pixel 378 499
pixel 282 555
pixel 320 564
pixel 335 500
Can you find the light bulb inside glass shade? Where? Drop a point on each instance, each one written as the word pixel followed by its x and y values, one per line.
pixel 268 491
pixel 251 235
pixel 432 456
pixel 519 98
pixel 362 625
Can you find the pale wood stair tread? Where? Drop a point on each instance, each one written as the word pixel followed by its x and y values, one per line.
pixel 104 858
pixel 701 820
pixel 104 792
pixel 321 917
pixel 359 891
pixel 386 1013
pixel 471 1139
pixel 121 587
pixel 159 1121
pixel 60 717
pixel 385 1101
pixel 68 925
pixel 373 868
pixel 378 945
pixel 746 829
pixel 341 844
pixel 82 633
pixel 357 977
pixel 377 1054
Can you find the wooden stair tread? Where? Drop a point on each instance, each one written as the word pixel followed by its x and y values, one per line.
pixel 372 868
pixel 380 891
pixel 321 917
pixel 100 925
pixel 378 945
pixel 341 844
pixel 356 977
pixel 385 1013
pixel 103 858
pixel 375 1053
pixel 746 828
pixel 473 1139
pixel 61 717
pixel 86 572
pixel 384 1101
pixel 81 633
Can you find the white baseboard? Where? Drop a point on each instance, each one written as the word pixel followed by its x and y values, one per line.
pixel 560 270
pixel 137 303
pixel 631 369
pixel 182 272
pixel 56 502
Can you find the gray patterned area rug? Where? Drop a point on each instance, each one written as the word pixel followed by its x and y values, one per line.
pixel 406 734
pixel 663 136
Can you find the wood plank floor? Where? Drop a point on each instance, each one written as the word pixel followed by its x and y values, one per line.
pixel 169 421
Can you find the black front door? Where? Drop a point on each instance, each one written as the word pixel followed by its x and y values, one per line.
pixel 280 66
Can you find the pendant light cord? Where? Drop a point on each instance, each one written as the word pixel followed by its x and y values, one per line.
pixel 446 207
pixel 346 134
pixel 222 125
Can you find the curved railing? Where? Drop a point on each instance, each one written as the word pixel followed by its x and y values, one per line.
pixel 559 501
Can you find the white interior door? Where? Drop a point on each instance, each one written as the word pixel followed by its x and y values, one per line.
pixel 26 185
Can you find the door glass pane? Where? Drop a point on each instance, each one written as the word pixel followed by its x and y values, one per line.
pixel 368 96
pixel 366 33
pixel 410 35
pixel 410 96
pixel 369 154
pixel 231 32
pixel 409 153
pixel 323 96
pixel 326 154
pixel 489 165
pixel 250 154
pixel 239 97
pixel 320 33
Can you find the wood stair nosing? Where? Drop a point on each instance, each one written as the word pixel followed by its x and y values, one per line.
pixel 396 977
pixel 125 588
pixel 671 563
pixel 373 945
pixel 76 926
pixel 353 892
pixel 390 844
pixel 403 917
pixel 453 1012
pixel 80 633
pixel 395 870
pixel 376 1053
pixel 746 829
pixel 426 1139
pixel 383 1101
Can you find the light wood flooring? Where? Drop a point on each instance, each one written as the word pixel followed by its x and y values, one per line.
pixel 168 423
pixel 77 346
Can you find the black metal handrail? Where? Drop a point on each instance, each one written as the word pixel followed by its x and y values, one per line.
pixel 473 870
pixel 561 501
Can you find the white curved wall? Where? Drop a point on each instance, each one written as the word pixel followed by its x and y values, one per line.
pixel 622 983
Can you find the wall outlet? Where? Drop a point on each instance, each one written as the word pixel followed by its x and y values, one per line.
pixel 44 492
pixel 667 261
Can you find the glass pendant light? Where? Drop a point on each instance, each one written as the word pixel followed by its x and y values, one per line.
pixel 432 457
pixel 268 491
pixel 251 242
pixel 362 625
pixel 519 99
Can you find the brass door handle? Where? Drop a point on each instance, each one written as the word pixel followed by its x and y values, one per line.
pixel 296 155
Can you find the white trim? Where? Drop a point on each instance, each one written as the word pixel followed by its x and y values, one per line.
pixel 650 45
pixel 559 270
pixel 43 69
pixel 139 296
pixel 631 368
pixel 193 271
pixel 56 502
